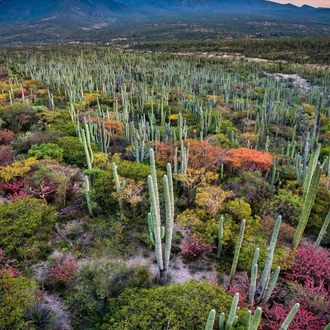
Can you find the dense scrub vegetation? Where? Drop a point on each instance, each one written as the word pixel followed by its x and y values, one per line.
pixel 100 149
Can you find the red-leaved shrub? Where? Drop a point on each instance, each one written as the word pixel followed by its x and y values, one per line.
pixel 7 264
pixel 6 136
pixel 311 266
pixel 6 155
pixel 303 320
pixel 194 247
pixel 201 154
pixel 247 159
pixel 63 273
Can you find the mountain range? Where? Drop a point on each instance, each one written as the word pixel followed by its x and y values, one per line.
pixel 86 20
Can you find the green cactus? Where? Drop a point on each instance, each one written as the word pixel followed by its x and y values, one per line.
pixel 309 201
pixel 289 318
pixel 237 250
pixel 256 318
pixel 323 230
pixel 120 186
pixel 86 192
pixel 210 320
pixel 232 313
pixel 154 217
pixel 220 236
pixel 87 148
pixel 265 277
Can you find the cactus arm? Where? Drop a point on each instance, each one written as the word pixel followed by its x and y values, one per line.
pixel 289 318
pixel 237 250
pixel 267 269
pixel 232 313
pixel 323 230
pixel 255 319
pixel 210 320
pixel 272 284
pixel 222 321
pixel 220 236
pixel 307 206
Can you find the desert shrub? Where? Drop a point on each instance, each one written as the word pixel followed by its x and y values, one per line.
pixel 17 294
pixel 194 247
pixel 311 265
pixel 6 155
pixel 61 275
pixel 17 170
pixel 20 223
pixel 245 159
pixel 319 211
pixel 285 234
pixel 24 142
pixel 6 136
pixel 201 154
pixel 180 306
pixel 303 320
pixel 95 284
pixel 238 209
pixel 251 187
pixel 211 198
pixel 285 203
pixel 18 117
pixel 46 151
pixel 73 151
pixel 219 140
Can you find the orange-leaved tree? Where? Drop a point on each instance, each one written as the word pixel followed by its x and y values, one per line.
pixel 249 159
pixel 201 154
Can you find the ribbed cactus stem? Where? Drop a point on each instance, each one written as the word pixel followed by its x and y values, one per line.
pixel 155 217
pixel 272 284
pixel 323 230
pixel 120 186
pixel 87 148
pixel 237 250
pixel 155 214
pixel 86 192
pixel 255 321
pixel 268 265
pixel 220 236
pixel 327 327
pixel 307 206
pixel 289 318
pixel 232 313
pixel 210 320
pixel 253 283
pixel 247 319
pixel 222 321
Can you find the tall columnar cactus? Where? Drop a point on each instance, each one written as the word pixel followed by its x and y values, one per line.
pixel 256 318
pixel 154 217
pixel 87 147
pixel 120 186
pixel 289 318
pixel 323 230
pixel 265 277
pixel 309 201
pixel 86 192
pixel 232 318
pixel 254 275
pixel 210 320
pixel 237 250
pixel 220 236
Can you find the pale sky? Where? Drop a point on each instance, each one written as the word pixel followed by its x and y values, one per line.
pixel 313 3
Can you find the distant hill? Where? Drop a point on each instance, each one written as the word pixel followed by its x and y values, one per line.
pixel 103 20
